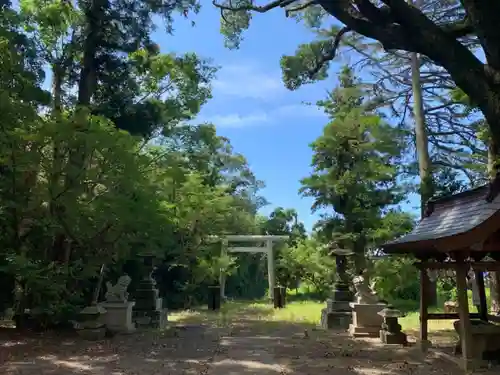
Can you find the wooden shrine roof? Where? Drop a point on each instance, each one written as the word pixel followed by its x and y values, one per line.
pixel 454 222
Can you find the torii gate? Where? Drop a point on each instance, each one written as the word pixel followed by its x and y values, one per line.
pixel 267 248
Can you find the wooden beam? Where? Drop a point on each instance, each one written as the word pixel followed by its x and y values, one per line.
pixel 483 306
pixel 479 266
pixel 449 316
pixel 424 304
pixel 463 310
pixel 249 238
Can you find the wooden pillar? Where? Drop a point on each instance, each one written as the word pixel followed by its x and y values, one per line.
pixel 424 304
pixel 270 268
pixel 463 310
pixel 483 306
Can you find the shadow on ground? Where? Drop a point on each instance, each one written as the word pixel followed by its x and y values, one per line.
pixel 178 350
pixel 244 340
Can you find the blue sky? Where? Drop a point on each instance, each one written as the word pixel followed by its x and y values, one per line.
pixel 263 120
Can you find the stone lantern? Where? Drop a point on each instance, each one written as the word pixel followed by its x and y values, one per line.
pixel 390 332
pixel 148 309
pixel 338 312
pixel 341 291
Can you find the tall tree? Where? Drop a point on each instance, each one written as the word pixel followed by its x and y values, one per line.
pixel 285 222
pixel 355 167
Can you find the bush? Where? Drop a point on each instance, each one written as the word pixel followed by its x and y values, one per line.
pixel 396 278
pixel 309 262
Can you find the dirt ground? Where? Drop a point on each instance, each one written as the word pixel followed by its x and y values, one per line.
pixel 244 345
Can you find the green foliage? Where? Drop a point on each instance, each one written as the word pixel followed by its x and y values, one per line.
pixel 308 261
pixel 85 187
pixel 396 278
pixel 234 23
pixel 355 165
pixel 109 164
pixel 306 65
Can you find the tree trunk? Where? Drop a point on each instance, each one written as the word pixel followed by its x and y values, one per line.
pixel 59 245
pixel 86 86
pixel 78 153
pixel 494 276
pixel 424 160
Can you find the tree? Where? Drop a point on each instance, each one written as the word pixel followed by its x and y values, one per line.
pixel 398 25
pixel 285 222
pixel 308 260
pixel 83 185
pixel 355 167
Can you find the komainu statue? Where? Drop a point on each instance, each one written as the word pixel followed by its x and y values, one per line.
pixel 118 292
pixel 364 293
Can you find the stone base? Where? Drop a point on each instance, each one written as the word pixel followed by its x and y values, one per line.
pixel 365 319
pixel 119 317
pixel 356 331
pixel 393 338
pixel 335 319
pixel 154 319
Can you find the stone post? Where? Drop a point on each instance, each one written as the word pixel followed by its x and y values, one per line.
pixel 214 297
pixel 270 268
pixel 279 297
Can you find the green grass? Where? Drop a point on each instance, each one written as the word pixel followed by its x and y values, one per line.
pixel 307 312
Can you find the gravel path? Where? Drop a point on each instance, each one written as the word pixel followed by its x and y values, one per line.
pixel 242 347
pixel 179 350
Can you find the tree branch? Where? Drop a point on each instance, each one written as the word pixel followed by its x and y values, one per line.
pixel 300 7
pixel 330 55
pixel 254 8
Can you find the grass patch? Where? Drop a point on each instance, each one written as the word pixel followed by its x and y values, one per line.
pixel 308 313
pixel 295 312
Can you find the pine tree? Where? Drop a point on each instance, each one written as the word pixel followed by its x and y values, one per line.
pixel 355 167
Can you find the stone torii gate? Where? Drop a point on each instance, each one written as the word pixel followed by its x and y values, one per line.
pixel 266 240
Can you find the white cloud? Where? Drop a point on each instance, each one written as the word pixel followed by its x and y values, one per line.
pixel 236 120
pixel 298 110
pixel 247 81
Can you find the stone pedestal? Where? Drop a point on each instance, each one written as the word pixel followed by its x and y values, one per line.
pixel 391 329
pixel 337 315
pixel 366 322
pixel 90 324
pixel 119 317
